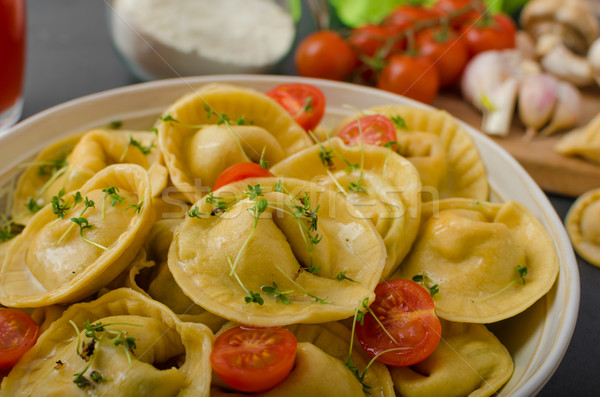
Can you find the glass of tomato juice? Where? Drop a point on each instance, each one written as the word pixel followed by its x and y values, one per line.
pixel 12 60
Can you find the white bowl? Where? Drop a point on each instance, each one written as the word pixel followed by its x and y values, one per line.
pixel 162 39
pixel 537 339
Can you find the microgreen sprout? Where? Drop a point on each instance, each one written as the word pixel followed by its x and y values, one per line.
pixel 50 167
pixel 263 163
pixel 115 124
pixel 399 122
pixel 145 149
pixel 428 283
pixel 137 208
pixel 33 205
pixel 342 276
pixel 521 273
pixel 113 193
pixel 301 288
pixel 99 333
pixel 59 205
pixel 280 296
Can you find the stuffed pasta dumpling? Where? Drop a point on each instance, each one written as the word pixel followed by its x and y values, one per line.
pixel 491 261
pixel 121 344
pixel 267 252
pixel 384 186
pixel 80 241
pixel 220 125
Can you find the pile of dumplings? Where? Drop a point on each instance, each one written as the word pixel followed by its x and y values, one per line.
pixel 158 256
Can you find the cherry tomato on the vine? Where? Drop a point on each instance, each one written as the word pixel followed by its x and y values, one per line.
pixel 446 51
pixel 254 359
pixel 495 33
pixel 412 14
pixel 240 171
pixel 370 40
pixel 18 333
pixel 406 311
pixel 467 10
pixel 414 77
pixel 325 54
pixel 376 129
pixel 304 102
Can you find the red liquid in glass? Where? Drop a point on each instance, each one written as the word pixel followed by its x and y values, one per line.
pixel 12 51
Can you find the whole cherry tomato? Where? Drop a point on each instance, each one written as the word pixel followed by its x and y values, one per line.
pixel 411 14
pixel 375 129
pixel 414 77
pixel 254 359
pixel 325 54
pixel 369 40
pixel 446 51
pixel 18 333
pixel 495 33
pixel 240 171
pixel 304 102
pixel 407 312
pixel 467 10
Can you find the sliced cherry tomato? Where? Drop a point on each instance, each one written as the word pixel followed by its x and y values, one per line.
pixel 18 333
pixel 412 14
pixel 305 102
pixel 376 130
pixel 495 33
pixel 446 51
pixel 238 172
pixel 406 311
pixel 325 54
pixel 466 10
pixel 254 359
pixel 414 77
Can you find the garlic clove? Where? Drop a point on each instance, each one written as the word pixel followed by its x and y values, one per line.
pixel 567 110
pixel 536 101
pixel 500 104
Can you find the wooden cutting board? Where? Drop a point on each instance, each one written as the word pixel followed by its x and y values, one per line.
pixel 554 173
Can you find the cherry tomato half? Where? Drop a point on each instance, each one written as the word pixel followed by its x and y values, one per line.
pixel 496 33
pixel 446 51
pixel 304 102
pixel 18 333
pixel 376 130
pixel 238 172
pixel 414 77
pixel 325 54
pixel 406 311
pixel 253 359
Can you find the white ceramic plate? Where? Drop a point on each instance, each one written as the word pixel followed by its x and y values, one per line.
pixel 537 338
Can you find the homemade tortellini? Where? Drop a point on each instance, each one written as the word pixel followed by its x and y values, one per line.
pixel 160 355
pixel 266 237
pixel 583 226
pixel 440 148
pixel 199 142
pixel 491 261
pixel 381 184
pixel 77 244
pixel 69 163
pixel 583 142
pixel 469 361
